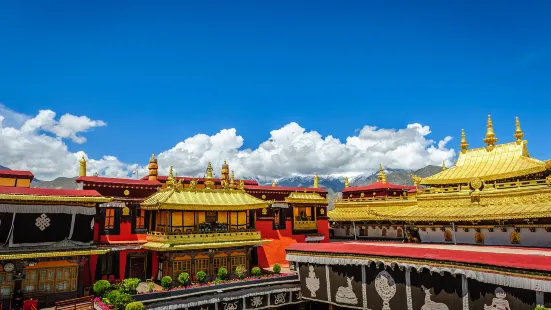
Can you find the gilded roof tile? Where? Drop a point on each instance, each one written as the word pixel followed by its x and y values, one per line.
pixel 298 197
pixel 202 199
pixel 503 161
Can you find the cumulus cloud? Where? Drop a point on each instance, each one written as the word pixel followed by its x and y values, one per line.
pixel 38 145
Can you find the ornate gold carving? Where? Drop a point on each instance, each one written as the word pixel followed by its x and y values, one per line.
pixel 464 145
pixel 548 164
pixel 416 179
pixel 514 237
pixel 193 184
pixel 241 185
pixel 126 192
pixel 479 238
pixel 518 132
pixel 322 211
pixel 125 211
pixel 362 195
pixel 264 211
pixel 548 180
pixel 476 184
pixel 263 196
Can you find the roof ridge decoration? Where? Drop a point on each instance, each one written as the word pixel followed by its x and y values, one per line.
pixel 381 177
pixel 491 138
pixel 82 168
pixel 490 163
pixel 464 145
pixel 518 132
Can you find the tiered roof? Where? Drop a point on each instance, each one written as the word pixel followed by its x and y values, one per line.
pixel 496 182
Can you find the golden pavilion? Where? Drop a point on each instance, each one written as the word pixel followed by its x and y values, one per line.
pixel 497 195
pixel 203 228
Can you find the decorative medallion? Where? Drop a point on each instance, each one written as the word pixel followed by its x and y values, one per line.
pixel 432 305
pixel 279 298
pixel 125 211
pixel 479 238
pixel 322 211
pixel 385 287
pixel 42 222
pixel 514 237
pixel 126 192
pixel 345 294
pixel 312 282
pixel 256 301
pixel 476 184
pixel 362 195
pixel 263 196
pixel 264 211
pixel 548 180
pixel 9 267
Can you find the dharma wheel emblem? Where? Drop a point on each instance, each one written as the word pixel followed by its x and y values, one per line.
pixel 476 184
pixel 548 180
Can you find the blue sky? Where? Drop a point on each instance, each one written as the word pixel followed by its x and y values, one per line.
pixel 160 71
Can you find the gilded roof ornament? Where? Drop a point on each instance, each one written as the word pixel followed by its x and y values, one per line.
pixel 193 184
pixel 82 170
pixel 316 181
pixel 152 158
pixel 416 179
pixel 490 139
pixel 381 177
pixel 548 164
pixel 274 184
pixel 232 180
pixel 209 183
pixel 464 145
pixel 443 165
pixel 346 185
pixel 518 132
pixel 241 185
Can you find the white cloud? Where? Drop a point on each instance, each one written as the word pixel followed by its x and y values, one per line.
pixel 38 145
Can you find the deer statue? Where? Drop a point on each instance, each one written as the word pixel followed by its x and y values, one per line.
pixel 431 305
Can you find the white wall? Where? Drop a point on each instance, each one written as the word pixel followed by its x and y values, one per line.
pixel 391 231
pixel 539 238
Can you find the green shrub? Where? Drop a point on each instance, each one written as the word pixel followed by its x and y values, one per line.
pixel 102 287
pixel 120 300
pixel 136 305
pixel 184 278
pixel 540 308
pixel 277 268
pixel 256 272
pixel 166 282
pixel 201 276
pixel 222 273
pixel 240 271
pixel 129 286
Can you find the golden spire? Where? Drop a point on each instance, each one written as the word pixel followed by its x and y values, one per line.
pixel 208 179
pixel 152 167
pixel 490 139
pixel 316 181
pixel 225 175
pixel 82 170
pixel 518 132
pixel 381 177
pixel 232 180
pixel 464 145
pixel 274 184
pixel 443 165
pixel 171 174
pixel 346 182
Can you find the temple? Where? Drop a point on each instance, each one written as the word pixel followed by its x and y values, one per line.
pixel 495 195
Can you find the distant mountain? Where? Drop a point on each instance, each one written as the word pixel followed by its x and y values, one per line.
pixel 4 168
pixel 61 182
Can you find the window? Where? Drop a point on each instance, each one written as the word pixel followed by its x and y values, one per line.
pixel 6 284
pixel 211 217
pixel 140 218
pixel 220 262
pixel 179 266
pixel 109 218
pixel 239 260
pixel 163 221
pixel 202 264
pixel 107 262
pixel 51 280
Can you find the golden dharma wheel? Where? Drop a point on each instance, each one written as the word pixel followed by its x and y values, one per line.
pixel 125 211
pixel 476 184
pixel 126 192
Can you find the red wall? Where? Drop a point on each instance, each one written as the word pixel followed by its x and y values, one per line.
pixel 274 252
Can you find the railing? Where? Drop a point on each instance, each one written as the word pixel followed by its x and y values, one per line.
pixel 76 304
pixel 488 186
pixel 372 199
pixel 305 225
pixel 203 237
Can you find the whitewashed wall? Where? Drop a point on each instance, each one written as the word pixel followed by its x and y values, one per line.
pixel 539 238
pixel 391 232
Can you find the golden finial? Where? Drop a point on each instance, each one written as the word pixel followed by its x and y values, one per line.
pixel 82 170
pixel 152 157
pixel 416 179
pixel 490 139
pixel 443 165
pixel 518 132
pixel 152 168
pixel 171 174
pixel 209 183
pixel 381 177
pixel 346 182
pixel 316 181
pixel 274 184
pixel 464 145
pixel 232 180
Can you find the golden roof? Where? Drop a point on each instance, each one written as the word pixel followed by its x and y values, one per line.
pixel 297 197
pixel 202 199
pixel 503 161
